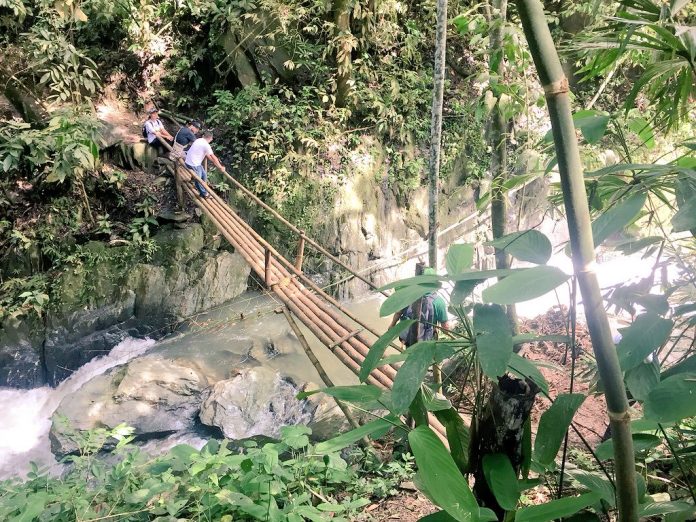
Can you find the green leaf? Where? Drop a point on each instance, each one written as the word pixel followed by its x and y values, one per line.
pixel 528 245
pixel 673 399
pixel 486 274
pixel 350 437
pixel 440 516
pixel 641 442
pixel 646 334
pixel 462 290
pixel 644 130
pixel 652 509
pixel 617 218
pixel 592 124
pixel 459 258
pixel 523 367
pixel 631 246
pixel 493 339
pixel 641 379
pixel 685 218
pixel 433 402
pixel 596 483
pixel 688 365
pixel 405 296
pixel 553 426
pixel 427 279
pixel 458 437
pixel 440 477
pixel 411 374
pixel 533 338
pixel 556 508
pixel 524 285
pixel 380 345
pixel 502 479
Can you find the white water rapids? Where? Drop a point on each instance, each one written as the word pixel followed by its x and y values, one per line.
pixel 27 413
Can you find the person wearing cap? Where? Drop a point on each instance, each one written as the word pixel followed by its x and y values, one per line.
pixel 200 150
pixel 433 313
pixel 184 137
pixel 155 131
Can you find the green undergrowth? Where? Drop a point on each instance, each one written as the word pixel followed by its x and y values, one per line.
pixel 286 480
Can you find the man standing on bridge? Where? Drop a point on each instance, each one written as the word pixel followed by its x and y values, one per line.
pixel 199 151
pixel 433 312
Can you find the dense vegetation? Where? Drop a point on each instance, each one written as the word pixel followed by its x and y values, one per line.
pixel 295 87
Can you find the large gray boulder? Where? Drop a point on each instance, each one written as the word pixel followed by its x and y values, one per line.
pixel 258 401
pixel 154 396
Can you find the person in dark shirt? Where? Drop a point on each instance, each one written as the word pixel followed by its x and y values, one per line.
pixel 184 137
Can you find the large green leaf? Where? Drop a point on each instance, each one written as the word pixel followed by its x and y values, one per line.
pixel 493 339
pixel 641 442
pixel 673 399
pixel 380 345
pixel 457 437
pixel 439 476
pixel 528 245
pixel 643 336
pixel 644 130
pixel 596 483
pixel 459 258
pixel 688 365
pixel 617 218
pixel 652 509
pixel 553 426
pixel 350 437
pixel 405 296
pixel 524 285
pixel 522 367
pixel 642 379
pixel 462 290
pixel 486 274
pixel 592 124
pixel 555 509
pixel 411 374
pixel 685 218
pixel 426 279
pixel 502 479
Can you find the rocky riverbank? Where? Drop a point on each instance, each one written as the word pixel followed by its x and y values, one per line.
pixel 97 307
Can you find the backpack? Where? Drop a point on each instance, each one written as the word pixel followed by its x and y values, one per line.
pixel 144 129
pixel 427 321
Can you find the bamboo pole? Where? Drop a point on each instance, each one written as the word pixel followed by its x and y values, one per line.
pixel 317 366
pixel 436 130
pixel 579 226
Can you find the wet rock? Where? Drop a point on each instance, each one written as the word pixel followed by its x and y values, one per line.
pixel 155 396
pixel 173 216
pixel 258 401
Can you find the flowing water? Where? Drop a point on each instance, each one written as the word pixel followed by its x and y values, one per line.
pixel 241 334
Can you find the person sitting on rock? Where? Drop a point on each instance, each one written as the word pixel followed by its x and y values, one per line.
pixel 155 132
pixel 184 137
pixel 199 151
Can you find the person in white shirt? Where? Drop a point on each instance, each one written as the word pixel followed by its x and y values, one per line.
pixel 156 133
pixel 199 151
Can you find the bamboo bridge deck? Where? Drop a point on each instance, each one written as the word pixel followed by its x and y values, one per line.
pixel 346 336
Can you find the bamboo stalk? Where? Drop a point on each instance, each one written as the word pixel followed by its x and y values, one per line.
pixel 436 130
pixel 579 226
pixel 318 367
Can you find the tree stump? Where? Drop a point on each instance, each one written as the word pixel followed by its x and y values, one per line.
pixel 500 429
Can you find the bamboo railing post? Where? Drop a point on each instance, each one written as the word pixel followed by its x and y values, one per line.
pixel 179 189
pixel 267 267
pixel 300 252
pixel 556 89
pixel 317 365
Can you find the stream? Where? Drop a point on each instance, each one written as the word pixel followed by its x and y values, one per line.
pixel 217 343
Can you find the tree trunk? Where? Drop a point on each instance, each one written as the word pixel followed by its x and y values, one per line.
pixel 579 227
pixel 436 129
pixel 344 48
pixel 500 430
pixel 497 140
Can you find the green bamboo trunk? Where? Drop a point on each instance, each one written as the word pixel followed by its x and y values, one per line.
pixel 575 199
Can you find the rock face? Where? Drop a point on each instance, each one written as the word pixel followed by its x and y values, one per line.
pixel 97 308
pixel 155 396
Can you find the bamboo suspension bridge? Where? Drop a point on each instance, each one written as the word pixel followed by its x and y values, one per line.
pixel 346 336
